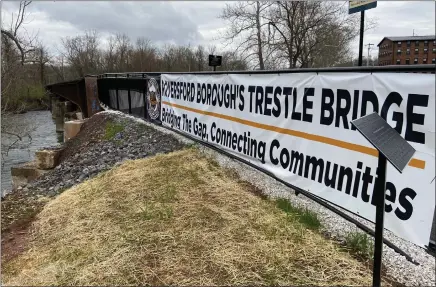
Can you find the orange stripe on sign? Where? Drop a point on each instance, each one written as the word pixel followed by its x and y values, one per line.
pixel 334 142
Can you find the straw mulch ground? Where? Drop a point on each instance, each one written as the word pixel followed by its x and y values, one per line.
pixel 175 219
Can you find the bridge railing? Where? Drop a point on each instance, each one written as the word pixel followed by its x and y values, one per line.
pixel 128 93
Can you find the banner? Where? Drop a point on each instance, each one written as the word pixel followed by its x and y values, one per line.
pixel 297 126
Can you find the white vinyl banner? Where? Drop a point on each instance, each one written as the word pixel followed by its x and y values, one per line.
pixel 297 126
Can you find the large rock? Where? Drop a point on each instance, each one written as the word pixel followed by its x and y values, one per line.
pixel 47 159
pixel 23 174
pixel 72 128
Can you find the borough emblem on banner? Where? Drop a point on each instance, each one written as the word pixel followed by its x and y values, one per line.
pixel 153 99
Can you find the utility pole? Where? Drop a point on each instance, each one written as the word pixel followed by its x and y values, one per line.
pixel 369 48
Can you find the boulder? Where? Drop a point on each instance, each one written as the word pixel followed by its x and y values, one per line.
pixel 72 128
pixel 47 159
pixel 24 173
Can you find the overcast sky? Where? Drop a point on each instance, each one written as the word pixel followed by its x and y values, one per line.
pixel 194 22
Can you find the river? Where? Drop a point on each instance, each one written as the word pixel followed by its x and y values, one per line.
pixel 42 130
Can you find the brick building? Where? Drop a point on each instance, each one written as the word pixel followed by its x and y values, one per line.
pixel 407 50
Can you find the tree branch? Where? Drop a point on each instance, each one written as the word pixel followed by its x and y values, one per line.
pixel 17 43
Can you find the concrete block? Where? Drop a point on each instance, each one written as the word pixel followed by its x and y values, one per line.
pixel 72 128
pixel 23 174
pixel 47 159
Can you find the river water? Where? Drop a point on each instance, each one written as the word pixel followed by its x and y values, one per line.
pixel 43 133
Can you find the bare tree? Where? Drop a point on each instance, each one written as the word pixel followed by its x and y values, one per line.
pixel 120 55
pixel 233 62
pixel 83 54
pixel 123 49
pixel 18 56
pixel 200 57
pixel 247 24
pixel 145 55
pixel 312 33
pixel 290 34
pixel 22 43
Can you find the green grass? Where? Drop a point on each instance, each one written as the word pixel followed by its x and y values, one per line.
pixel 306 217
pixel 360 245
pixel 112 129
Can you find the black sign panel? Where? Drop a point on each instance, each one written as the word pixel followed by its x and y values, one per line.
pixel 215 61
pixel 385 139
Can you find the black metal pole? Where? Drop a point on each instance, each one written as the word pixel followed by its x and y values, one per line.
pixel 214 68
pixel 380 189
pixel 118 100
pixel 362 26
pixel 129 98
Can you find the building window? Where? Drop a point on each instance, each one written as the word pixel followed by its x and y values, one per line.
pixel 415 61
pixel 398 52
pixel 425 50
pixel 416 50
pixel 434 50
pixel 407 61
pixel 398 61
pixel 408 52
pixel 408 43
pixel 426 43
pixel 416 43
pixel 424 61
pixel 399 44
pixel 433 61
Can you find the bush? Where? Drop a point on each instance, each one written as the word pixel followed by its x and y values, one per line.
pixel 25 97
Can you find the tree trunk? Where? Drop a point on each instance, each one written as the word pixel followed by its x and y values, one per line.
pixel 259 39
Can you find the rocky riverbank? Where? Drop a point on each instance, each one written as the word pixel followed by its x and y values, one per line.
pixel 105 140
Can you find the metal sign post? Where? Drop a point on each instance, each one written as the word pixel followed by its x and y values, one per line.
pixel 392 147
pixel 215 61
pixel 362 26
pixel 360 6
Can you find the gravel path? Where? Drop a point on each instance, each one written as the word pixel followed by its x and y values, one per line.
pixel 398 267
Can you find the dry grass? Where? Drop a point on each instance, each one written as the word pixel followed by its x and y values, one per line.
pixel 175 219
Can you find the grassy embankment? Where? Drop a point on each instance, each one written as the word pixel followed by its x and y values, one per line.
pixel 177 219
